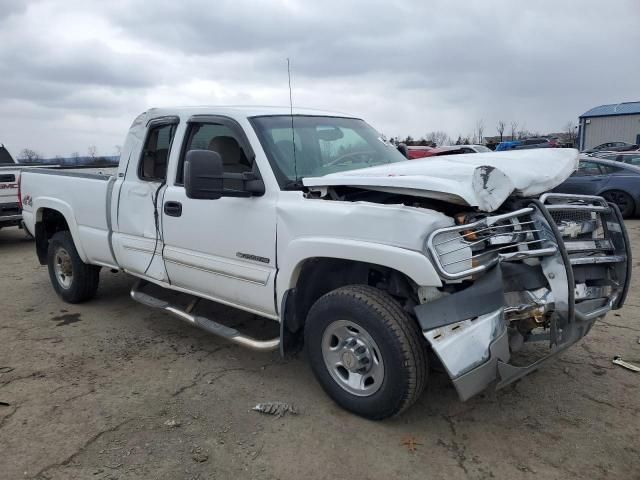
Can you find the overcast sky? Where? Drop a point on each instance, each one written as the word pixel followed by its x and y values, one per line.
pixel 76 73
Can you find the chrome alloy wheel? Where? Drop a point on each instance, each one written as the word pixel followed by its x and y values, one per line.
pixel 352 358
pixel 63 268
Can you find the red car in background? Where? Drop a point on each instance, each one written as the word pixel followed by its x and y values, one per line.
pixel 422 152
pixel 414 152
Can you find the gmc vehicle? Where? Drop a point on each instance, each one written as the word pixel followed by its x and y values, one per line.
pixel 10 170
pixel 375 263
pixel 10 215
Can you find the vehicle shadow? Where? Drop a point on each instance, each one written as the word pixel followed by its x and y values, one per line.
pixel 13 237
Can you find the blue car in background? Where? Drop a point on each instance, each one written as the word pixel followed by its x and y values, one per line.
pixel 527 143
pixel 617 182
pixel 511 145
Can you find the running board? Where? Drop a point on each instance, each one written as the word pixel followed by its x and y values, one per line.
pixel 202 322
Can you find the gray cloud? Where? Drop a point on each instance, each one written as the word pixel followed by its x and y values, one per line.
pixel 9 8
pixel 406 66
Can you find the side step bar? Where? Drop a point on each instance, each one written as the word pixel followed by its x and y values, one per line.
pixel 202 322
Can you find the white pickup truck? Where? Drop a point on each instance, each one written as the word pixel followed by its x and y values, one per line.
pixel 376 263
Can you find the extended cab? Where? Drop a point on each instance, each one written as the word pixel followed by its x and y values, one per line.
pixel 375 263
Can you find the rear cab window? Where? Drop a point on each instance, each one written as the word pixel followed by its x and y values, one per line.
pixel 155 154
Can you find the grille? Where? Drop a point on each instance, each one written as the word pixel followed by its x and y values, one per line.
pixel 466 249
pixel 560 216
pixel 581 221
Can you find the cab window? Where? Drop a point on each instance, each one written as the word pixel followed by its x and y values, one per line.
pixel 223 140
pixel 155 154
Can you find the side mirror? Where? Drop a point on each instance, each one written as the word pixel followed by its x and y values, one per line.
pixel 204 178
pixel 203 175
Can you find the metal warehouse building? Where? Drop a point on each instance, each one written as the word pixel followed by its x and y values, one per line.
pixel 610 123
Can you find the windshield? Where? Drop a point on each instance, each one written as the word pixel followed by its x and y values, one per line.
pixel 323 145
pixel 482 149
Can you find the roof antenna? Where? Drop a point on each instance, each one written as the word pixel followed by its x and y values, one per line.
pixel 293 132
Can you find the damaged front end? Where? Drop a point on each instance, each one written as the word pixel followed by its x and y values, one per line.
pixel 539 275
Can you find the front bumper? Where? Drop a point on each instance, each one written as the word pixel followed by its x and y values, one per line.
pixel 469 330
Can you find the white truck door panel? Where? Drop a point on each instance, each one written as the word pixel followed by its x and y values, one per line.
pixel 222 249
pixel 137 242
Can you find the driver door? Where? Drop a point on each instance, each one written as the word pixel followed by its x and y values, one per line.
pixel 221 249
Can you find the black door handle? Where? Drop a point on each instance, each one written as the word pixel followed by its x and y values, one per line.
pixel 173 209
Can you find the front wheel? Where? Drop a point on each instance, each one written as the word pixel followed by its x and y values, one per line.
pixel 365 351
pixel 72 279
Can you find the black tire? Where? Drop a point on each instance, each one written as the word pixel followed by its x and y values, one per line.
pixel 394 333
pixel 83 279
pixel 623 200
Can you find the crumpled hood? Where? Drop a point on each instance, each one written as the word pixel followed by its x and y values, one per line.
pixel 483 180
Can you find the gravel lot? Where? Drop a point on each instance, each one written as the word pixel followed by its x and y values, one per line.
pixel 114 390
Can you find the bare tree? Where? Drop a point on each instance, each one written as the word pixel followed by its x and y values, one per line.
pixel 27 155
pixel 500 129
pixel 570 132
pixel 438 138
pixel 480 131
pixel 92 151
pixel 514 130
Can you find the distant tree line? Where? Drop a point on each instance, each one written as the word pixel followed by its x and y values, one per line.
pixel 28 155
pixel 505 132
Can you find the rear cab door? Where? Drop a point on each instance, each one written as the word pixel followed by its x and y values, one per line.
pixel 137 197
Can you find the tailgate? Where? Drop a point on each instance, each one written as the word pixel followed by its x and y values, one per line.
pixel 9 192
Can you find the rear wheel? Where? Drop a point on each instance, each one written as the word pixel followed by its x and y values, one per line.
pixel 72 279
pixel 623 200
pixel 365 351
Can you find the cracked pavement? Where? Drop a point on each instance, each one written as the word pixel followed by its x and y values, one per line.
pixel 114 390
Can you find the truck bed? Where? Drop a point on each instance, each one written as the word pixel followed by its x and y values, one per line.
pixel 80 194
pixel 86 172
